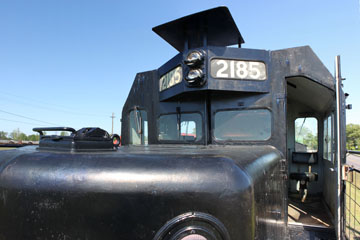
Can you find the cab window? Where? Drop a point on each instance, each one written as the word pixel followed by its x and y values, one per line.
pixel 138 127
pixel 243 125
pixel 328 138
pixel 306 134
pixel 183 127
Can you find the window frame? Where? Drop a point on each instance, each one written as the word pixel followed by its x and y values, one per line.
pixel 332 137
pixel 142 135
pixel 199 141
pixel 215 140
pixel 317 134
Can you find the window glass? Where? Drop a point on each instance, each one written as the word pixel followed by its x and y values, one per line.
pixel 242 125
pixel 328 138
pixel 306 135
pixel 138 127
pixel 186 127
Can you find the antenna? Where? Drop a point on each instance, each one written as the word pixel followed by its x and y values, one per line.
pixel 112 123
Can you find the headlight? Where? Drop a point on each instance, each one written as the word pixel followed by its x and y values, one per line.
pixel 194 75
pixel 194 58
pixel 193 226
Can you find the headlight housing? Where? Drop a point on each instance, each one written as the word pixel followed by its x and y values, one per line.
pixel 194 76
pixel 194 58
pixel 193 226
pixel 195 68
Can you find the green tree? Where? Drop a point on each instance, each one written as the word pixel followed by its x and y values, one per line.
pixel 18 135
pixel 14 135
pixel 3 135
pixel 311 141
pixel 352 136
pixel 304 135
pixel 63 133
pixel 23 137
pixel 34 137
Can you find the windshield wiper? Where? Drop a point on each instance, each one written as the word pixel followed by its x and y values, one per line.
pixel 178 120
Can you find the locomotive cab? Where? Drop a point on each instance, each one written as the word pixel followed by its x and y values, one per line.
pixel 310 153
pixel 214 95
pixel 220 142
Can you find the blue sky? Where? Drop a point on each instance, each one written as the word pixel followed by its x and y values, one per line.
pixel 72 63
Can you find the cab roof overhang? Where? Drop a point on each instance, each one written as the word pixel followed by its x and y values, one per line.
pixel 217 25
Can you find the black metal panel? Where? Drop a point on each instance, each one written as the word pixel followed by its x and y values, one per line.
pixel 305 158
pixel 302 61
pixel 143 94
pixel 132 193
pixel 85 139
pixel 135 192
pixel 216 25
pixel 308 232
pixel 305 176
pixel 218 84
pixel 168 66
pixel 243 85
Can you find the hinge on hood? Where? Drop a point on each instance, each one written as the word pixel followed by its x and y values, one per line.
pixel 283 168
pixel 347 173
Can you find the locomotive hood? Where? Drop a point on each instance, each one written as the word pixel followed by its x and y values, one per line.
pixel 101 194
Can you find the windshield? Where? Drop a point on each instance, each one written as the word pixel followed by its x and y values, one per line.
pixel 184 127
pixel 243 125
pixel 306 135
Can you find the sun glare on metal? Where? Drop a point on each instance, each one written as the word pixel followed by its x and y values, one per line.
pixel 194 237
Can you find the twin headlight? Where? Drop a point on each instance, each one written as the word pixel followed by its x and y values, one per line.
pixel 194 58
pixel 195 75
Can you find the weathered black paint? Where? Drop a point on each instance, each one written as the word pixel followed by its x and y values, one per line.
pixel 85 139
pixel 137 191
pixel 132 193
pixel 214 27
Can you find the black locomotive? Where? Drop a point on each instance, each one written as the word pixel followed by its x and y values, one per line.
pixel 211 150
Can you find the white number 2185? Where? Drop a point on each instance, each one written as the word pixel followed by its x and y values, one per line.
pixel 234 69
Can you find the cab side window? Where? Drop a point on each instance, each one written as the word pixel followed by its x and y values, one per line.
pixel 180 127
pixel 306 135
pixel 138 127
pixel 328 138
pixel 243 125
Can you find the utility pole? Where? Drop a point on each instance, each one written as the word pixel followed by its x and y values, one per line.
pixel 112 123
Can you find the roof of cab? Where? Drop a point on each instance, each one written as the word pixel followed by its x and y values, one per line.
pixel 216 24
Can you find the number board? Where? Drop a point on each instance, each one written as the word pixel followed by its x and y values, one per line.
pixel 237 69
pixel 170 79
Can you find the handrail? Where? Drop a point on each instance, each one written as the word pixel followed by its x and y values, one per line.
pixel 353 151
pixel 353 166
pixel 355 169
pixel 338 85
pixel 40 130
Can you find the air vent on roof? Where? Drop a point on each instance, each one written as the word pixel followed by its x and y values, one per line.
pixel 85 139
